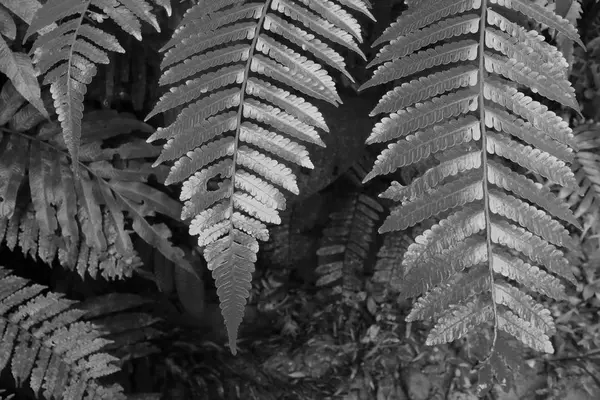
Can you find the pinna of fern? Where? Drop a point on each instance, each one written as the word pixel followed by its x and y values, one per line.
pixel 85 221
pixel 236 64
pixel 469 105
pixel 67 55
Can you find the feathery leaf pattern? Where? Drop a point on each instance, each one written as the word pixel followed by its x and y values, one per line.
pixel 500 234
pixel 67 54
pixel 78 220
pixel 346 245
pixel 234 71
pixel 48 345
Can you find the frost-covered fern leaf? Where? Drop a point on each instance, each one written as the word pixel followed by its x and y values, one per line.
pixel 82 219
pixel 586 199
pixel 67 55
pixel 468 76
pixel 241 68
pixel 47 346
pixel 346 244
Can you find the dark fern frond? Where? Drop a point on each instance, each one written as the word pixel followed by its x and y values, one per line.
pixel 48 346
pixel 67 55
pixel 126 321
pixel 346 244
pixel 81 219
pixel 586 199
pixel 239 61
pixel 388 268
pixel 501 234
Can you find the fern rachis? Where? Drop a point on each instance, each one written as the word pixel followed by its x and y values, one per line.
pixel 235 57
pixel 500 233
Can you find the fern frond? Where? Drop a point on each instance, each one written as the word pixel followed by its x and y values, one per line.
pixel 126 321
pixel 47 344
pixel 480 66
pixel 241 123
pixel 67 55
pixel 13 165
pixel 585 200
pixel 80 219
pixel 388 268
pixel 346 244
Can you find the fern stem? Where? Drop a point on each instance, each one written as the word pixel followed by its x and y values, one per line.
pixel 486 200
pixel 241 106
pixel 73 147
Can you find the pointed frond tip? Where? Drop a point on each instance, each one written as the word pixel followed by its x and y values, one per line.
pixel 68 48
pixel 241 70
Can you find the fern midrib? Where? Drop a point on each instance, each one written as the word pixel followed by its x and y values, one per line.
pixel 240 112
pixel 484 167
pixel 74 147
